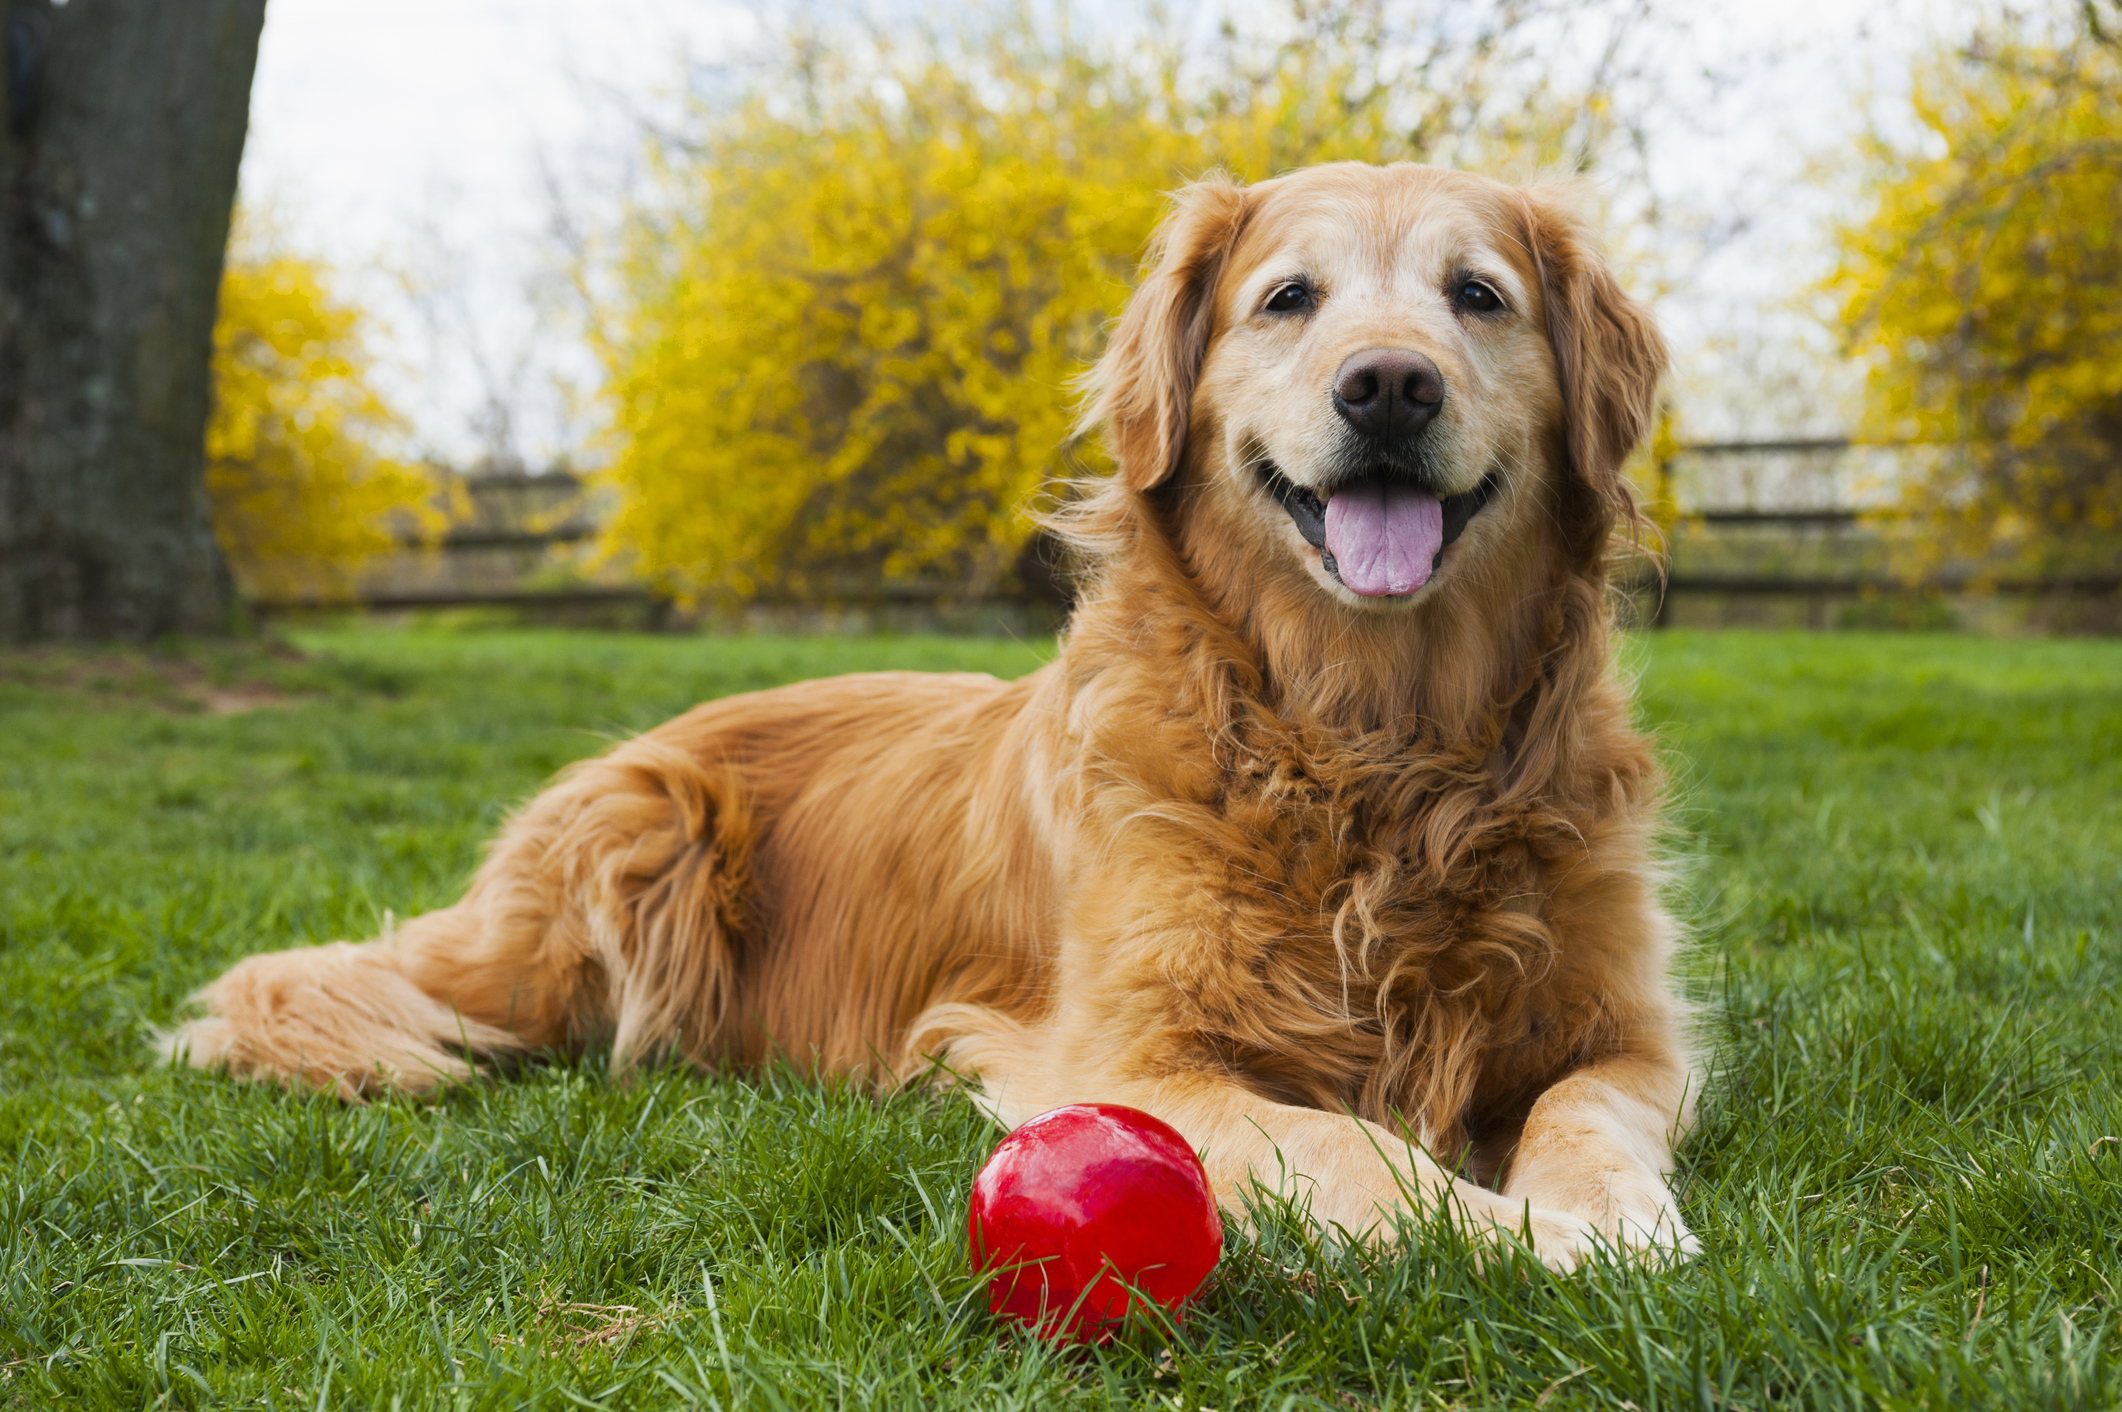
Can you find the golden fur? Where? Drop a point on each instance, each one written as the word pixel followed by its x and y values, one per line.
pixel 1357 893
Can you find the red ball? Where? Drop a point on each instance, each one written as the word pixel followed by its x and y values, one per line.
pixel 1081 1204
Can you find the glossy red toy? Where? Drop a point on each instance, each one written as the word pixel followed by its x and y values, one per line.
pixel 1083 1204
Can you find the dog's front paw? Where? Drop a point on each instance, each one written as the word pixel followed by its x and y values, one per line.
pixel 1642 1218
pixel 1560 1240
pixel 1631 1213
pixel 1563 1240
pixel 1653 1233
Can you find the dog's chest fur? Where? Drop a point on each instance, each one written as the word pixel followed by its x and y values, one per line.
pixel 1353 920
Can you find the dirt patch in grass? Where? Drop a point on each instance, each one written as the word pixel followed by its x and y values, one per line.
pixel 221 679
pixel 567 1325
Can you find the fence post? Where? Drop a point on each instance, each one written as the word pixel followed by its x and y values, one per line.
pixel 1669 510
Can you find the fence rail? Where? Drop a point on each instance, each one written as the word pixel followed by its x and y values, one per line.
pixel 1765 448
pixel 1882 584
pixel 510 553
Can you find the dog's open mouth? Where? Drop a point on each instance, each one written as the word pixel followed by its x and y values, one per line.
pixel 1381 537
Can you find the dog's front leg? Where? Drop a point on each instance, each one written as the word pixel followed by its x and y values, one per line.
pixel 1343 1172
pixel 1598 1145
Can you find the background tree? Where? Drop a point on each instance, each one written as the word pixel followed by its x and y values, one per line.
pixel 302 496
pixel 848 329
pixel 126 122
pixel 1985 290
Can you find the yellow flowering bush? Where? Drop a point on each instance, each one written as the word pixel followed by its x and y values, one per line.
pixel 302 497
pixel 1985 291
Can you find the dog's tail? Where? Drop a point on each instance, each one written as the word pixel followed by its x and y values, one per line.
pixel 612 906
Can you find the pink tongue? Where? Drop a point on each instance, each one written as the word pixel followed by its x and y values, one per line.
pixel 1384 538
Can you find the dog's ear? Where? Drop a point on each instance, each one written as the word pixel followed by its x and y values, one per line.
pixel 1141 392
pixel 1609 357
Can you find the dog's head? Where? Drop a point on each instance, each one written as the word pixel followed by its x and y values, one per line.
pixel 1379 377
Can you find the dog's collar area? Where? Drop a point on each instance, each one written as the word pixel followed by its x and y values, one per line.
pixel 1308 512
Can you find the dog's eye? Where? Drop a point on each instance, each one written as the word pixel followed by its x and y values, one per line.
pixel 1292 298
pixel 1477 298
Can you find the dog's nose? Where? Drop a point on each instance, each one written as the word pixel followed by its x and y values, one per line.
pixel 1388 393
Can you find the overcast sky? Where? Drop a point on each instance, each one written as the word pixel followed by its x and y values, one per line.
pixel 406 137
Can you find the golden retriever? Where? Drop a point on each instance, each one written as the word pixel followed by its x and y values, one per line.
pixel 1326 837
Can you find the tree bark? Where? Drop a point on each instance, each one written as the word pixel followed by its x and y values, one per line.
pixel 117 174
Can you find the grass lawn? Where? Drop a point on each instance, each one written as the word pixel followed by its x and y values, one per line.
pixel 1900 855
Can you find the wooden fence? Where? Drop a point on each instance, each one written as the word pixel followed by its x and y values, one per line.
pixel 523 547
pixel 1824 563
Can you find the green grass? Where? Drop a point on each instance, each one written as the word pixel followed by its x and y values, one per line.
pixel 1900 855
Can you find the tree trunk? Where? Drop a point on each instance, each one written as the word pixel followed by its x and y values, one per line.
pixel 117 173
